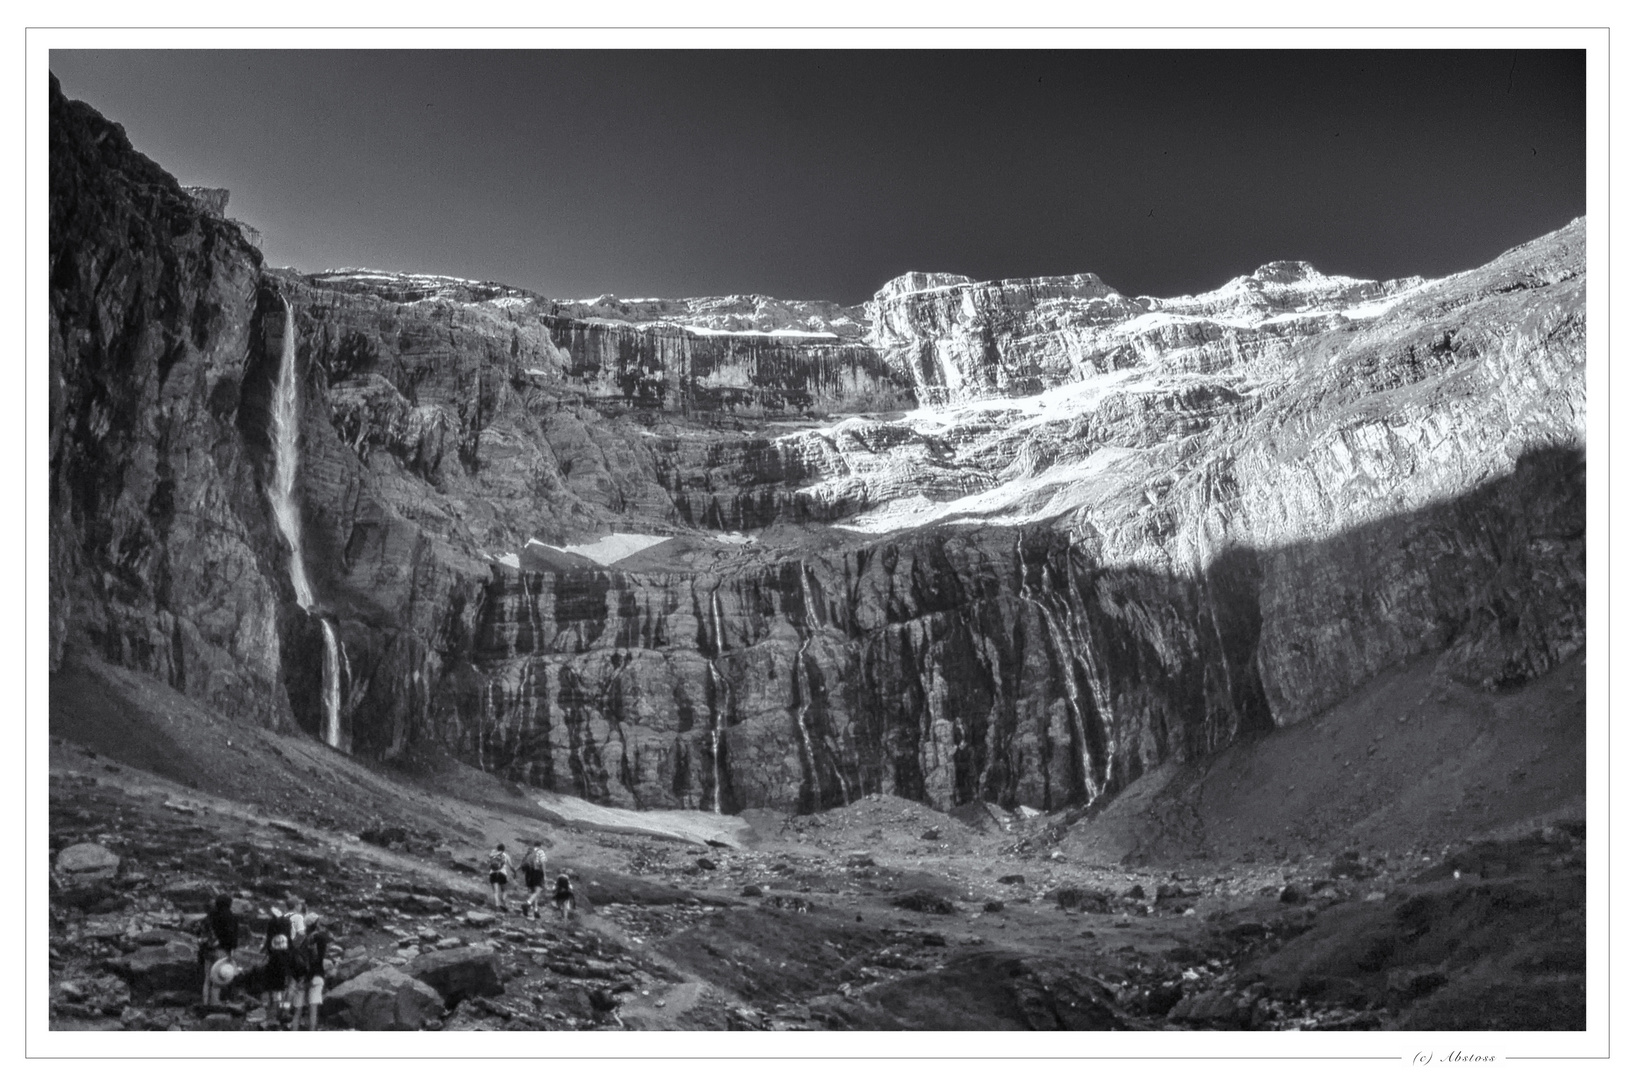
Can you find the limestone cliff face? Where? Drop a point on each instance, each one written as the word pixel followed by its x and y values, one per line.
pixel 160 553
pixel 1118 531
pixel 750 372
pixel 961 340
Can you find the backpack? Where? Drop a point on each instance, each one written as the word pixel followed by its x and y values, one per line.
pixel 278 935
pixel 535 859
pixel 301 960
pixel 307 957
pixel 496 862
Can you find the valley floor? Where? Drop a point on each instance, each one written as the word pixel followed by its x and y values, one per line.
pixel 1413 859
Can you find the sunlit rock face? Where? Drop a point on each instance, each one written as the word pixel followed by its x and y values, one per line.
pixel 1021 541
pixel 961 340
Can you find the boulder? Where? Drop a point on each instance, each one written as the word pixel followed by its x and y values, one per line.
pixel 421 904
pixel 384 999
pixel 191 893
pixel 923 901
pixel 350 968
pixel 457 974
pixel 1213 1007
pixel 155 969
pixel 384 835
pixel 84 863
pixel 97 896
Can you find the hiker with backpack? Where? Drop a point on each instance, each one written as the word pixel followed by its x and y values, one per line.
pixel 306 984
pixel 218 937
pixel 533 877
pixel 563 897
pixel 499 873
pixel 275 977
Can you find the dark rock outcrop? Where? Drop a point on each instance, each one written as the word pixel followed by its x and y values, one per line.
pixel 155 969
pixel 161 555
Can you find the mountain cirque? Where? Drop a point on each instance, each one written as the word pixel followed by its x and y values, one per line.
pixel 1020 542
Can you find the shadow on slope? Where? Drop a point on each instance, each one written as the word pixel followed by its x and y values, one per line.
pixel 141 722
pixel 1413 760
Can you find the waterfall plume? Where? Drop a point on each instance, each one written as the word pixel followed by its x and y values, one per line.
pixel 286 430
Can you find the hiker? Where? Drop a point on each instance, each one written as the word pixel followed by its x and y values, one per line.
pixel 563 897
pixel 306 984
pixel 533 877
pixel 276 975
pixel 499 872
pixel 218 937
pixel 298 919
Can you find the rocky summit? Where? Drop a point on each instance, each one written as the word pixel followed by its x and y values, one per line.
pixel 1030 553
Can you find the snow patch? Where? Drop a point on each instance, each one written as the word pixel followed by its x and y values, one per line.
pixel 511 559
pixel 609 549
pixel 1063 402
pixel 733 538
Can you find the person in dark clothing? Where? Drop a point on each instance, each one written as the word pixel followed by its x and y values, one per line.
pixel 499 873
pixel 563 897
pixel 218 937
pixel 277 947
pixel 307 971
pixel 222 924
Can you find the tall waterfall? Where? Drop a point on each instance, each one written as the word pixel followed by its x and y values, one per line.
pixel 286 430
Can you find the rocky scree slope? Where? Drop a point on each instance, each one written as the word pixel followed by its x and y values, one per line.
pixel 1115 533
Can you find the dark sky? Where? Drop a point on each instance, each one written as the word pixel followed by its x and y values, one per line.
pixel 823 174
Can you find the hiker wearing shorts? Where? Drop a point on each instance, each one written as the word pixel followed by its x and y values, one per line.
pixel 563 897
pixel 533 878
pixel 218 937
pixel 306 985
pixel 499 873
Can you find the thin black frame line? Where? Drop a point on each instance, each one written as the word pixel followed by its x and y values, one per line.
pixel 1611 923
